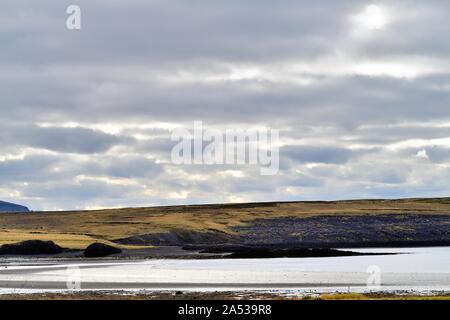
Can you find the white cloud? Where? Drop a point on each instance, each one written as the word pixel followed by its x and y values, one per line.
pixel 422 154
pixel 373 17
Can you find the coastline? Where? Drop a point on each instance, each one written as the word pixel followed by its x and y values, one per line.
pixel 413 271
pixel 228 295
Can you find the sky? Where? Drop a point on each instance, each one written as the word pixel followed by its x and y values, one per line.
pixel 358 90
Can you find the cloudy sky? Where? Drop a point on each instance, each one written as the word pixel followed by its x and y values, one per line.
pixel 360 92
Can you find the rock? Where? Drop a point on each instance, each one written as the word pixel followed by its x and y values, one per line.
pixel 31 247
pixel 253 252
pixel 178 238
pixel 98 249
pixel 11 207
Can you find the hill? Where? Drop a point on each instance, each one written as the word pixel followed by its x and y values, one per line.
pixel 11 207
pixel 309 224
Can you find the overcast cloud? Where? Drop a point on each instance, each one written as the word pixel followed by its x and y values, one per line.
pixel 361 97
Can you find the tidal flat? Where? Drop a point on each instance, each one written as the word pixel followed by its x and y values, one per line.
pixel 411 271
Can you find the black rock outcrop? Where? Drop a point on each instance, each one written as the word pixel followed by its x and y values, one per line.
pixel 31 247
pixel 98 249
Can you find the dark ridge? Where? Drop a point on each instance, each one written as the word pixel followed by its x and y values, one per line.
pixel 383 230
pixel 11 207
pixel 179 238
pixel 348 231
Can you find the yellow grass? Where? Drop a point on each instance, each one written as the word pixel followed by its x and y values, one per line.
pixel 76 229
pixel 73 241
pixel 360 296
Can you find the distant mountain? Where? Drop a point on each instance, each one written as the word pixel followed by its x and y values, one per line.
pixel 11 207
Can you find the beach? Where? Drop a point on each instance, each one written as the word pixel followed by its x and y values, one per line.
pixel 411 270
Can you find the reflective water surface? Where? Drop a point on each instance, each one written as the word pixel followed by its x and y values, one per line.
pixel 413 269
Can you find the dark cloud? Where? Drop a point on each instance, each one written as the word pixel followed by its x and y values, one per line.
pixel 312 154
pixel 66 140
pixel 30 168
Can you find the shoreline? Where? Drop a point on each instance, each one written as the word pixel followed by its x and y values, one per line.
pixel 225 295
pixel 285 278
pixel 223 252
pixel 175 254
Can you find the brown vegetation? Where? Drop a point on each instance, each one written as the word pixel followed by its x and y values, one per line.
pixel 77 229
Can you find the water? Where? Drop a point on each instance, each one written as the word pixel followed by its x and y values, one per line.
pixel 414 270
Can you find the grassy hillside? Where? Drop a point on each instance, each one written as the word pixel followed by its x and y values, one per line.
pixel 77 229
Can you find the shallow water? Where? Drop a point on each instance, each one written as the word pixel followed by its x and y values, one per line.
pixel 414 269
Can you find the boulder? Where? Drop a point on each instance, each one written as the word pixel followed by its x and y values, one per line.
pixel 99 249
pixel 31 247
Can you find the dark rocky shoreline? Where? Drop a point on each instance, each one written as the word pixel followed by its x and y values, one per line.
pixel 261 253
pixel 331 231
pixel 36 249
